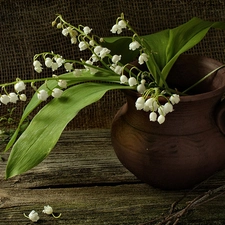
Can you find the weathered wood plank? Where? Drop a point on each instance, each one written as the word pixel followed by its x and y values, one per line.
pixel 83 180
pixel 122 204
pixel 86 158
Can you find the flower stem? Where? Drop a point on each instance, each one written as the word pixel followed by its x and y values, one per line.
pixel 56 217
pixel 202 79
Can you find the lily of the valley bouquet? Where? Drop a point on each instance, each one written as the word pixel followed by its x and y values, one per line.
pixel 85 81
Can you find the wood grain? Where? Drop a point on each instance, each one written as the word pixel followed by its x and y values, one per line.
pixel 83 179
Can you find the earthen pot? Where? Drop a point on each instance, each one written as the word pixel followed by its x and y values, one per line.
pixel 190 145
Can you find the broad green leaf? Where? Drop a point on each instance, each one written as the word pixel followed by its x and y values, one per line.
pixel 34 102
pixel 120 46
pixel 167 45
pixel 40 137
pixel 164 47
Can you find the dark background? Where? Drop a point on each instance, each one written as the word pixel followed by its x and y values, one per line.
pixel 25 30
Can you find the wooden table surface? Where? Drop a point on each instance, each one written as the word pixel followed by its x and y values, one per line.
pixel 84 181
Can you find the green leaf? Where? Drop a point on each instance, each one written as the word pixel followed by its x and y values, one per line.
pixel 120 46
pixel 34 102
pixel 164 47
pixel 167 45
pixel 40 137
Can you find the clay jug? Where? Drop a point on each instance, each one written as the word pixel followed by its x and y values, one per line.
pixel 190 145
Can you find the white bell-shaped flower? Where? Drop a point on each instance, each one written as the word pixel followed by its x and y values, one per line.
pixel 13 97
pixel 116 58
pixel 48 210
pixel 122 24
pixel 153 116
pixel 118 69
pixel 116 29
pixel 92 43
pixel 42 95
pixel 59 61
pixel 57 93
pixel 83 46
pixel 134 45
pixel 5 99
pixel 37 66
pixel 19 86
pixel 174 99
pixel 48 62
pixel 77 72
pixel 73 40
pixel 68 67
pixel 54 66
pixel 36 63
pixel 123 79
pixel 62 83
pixel 132 81
pixel 141 87
pixel 104 52
pixel 168 107
pixel 97 49
pixel 33 216
pixel 140 102
pixel 65 32
pixel 143 58
pixel 87 30
pixel 161 119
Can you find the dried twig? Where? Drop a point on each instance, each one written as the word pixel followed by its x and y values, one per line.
pixel 173 216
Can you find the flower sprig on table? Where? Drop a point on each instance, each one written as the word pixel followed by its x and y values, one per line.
pixel 137 63
pixel 34 217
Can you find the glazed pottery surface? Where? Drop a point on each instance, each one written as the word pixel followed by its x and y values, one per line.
pixel 190 145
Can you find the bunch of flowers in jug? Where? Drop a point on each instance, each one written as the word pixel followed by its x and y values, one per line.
pixel 114 63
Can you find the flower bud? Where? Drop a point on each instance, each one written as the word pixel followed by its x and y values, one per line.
pixel 59 25
pixel 23 97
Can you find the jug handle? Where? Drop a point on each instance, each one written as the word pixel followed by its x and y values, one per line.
pixel 220 116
